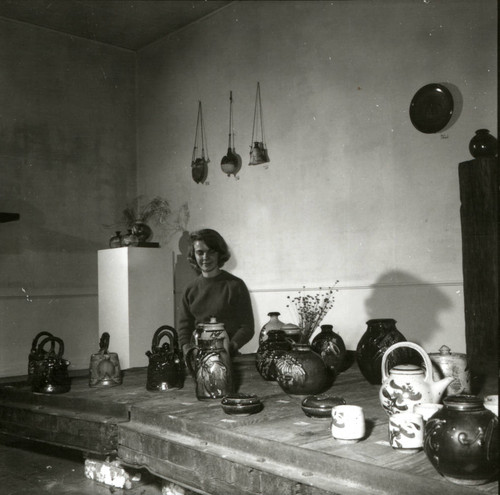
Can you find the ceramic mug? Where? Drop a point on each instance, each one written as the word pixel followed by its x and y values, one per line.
pixel 426 409
pixel 406 432
pixel 491 403
pixel 348 423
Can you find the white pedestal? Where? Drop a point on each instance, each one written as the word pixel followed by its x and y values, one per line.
pixel 136 297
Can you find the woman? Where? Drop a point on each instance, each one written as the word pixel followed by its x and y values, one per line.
pixel 215 292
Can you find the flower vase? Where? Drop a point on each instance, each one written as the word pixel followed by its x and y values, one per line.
pixel 142 231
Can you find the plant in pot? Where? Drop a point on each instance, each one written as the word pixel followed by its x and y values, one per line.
pixel 138 215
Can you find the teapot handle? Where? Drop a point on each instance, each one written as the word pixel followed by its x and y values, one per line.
pixel 37 337
pixel 104 343
pixel 160 333
pixel 411 345
pixel 53 340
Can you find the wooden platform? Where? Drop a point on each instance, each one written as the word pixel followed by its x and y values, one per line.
pixel 175 436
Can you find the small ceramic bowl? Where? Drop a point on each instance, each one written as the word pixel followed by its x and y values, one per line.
pixel 320 406
pixel 241 404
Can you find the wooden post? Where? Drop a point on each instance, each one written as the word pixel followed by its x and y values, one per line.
pixel 479 215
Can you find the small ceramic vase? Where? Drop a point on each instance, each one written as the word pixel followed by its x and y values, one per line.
pixel 302 372
pixel 330 346
pixel 461 441
pixel 483 144
pixel 116 240
pixel 274 323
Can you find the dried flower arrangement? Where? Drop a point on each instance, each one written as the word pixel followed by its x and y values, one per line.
pixel 158 209
pixel 311 309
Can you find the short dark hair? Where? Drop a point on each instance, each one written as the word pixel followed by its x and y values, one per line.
pixel 214 241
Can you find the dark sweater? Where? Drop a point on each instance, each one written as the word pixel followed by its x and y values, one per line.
pixel 226 297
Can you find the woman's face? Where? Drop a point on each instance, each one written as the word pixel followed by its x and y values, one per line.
pixel 207 259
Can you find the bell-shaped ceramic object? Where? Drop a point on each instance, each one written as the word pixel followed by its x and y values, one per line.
pixel 104 366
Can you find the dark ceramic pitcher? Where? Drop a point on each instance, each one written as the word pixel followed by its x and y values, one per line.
pixel 34 353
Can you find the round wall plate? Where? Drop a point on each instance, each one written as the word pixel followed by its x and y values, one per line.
pixel 431 108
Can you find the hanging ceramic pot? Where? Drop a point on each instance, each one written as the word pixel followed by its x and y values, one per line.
pixel 199 165
pixel 104 366
pixel 274 323
pixel 258 149
pixel 461 441
pixel 50 375
pixel 302 372
pixel 231 163
pixel 116 240
pixel 331 347
pixel 274 347
pixel 483 144
pixel 380 334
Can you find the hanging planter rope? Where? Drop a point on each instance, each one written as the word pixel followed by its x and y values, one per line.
pixel 231 163
pixel 258 149
pixel 199 165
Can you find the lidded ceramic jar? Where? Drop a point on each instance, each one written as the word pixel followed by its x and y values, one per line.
pixel 461 441
pixel 454 364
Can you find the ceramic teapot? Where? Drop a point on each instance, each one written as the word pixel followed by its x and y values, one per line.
pixel 407 385
pixel 50 375
pixel 34 355
pixel 165 368
pixel 104 366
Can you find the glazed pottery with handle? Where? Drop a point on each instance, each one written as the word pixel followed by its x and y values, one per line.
pixel 104 367
pixel 406 385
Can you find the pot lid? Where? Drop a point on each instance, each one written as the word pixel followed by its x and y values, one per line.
pixel 407 369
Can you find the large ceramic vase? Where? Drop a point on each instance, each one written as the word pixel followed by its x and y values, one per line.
pixel 331 347
pixel 461 441
pixel 379 336
pixel 274 323
pixel 142 231
pixel 302 372
pixel 275 346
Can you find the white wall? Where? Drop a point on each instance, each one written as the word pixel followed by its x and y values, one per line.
pixel 353 191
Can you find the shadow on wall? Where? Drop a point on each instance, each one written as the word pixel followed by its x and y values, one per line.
pixel 183 272
pixel 31 232
pixel 414 303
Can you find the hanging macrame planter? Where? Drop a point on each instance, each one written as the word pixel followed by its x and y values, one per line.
pixel 231 163
pixel 199 165
pixel 258 150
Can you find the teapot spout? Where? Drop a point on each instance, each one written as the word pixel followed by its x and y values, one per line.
pixel 439 387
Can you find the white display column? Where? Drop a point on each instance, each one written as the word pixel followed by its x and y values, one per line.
pixel 136 297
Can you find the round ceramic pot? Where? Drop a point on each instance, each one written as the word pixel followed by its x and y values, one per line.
pixel 461 441
pixel 274 323
pixel 302 372
pixel 483 144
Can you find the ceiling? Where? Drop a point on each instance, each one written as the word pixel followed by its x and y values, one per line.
pixel 126 24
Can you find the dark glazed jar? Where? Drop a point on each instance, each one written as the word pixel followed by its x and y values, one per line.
pixel 269 351
pixel 461 441
pixel 483 144
pixel 331 347
pixel 142 231
pixel 379 336
pixel 302 372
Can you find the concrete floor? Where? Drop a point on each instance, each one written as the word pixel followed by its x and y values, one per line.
pixel 32 468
